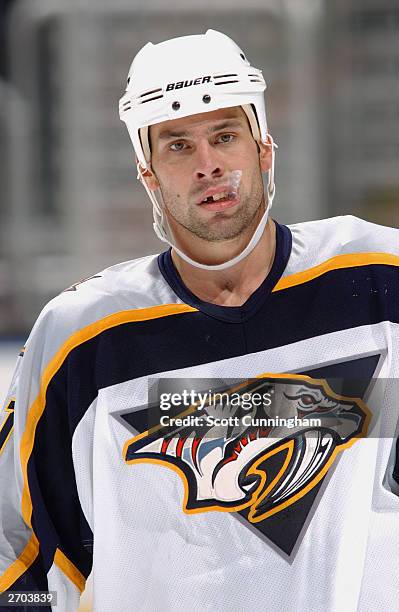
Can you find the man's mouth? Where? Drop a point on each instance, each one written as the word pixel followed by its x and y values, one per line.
pixel 223 196
pixel 219 202
pixel 219 205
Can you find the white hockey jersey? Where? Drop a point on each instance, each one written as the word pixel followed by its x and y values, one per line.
pixel 176 524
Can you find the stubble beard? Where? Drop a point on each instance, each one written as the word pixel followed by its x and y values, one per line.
pixel 221 226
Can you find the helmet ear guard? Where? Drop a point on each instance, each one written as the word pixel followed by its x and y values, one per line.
pixel 187 76
pixel 144 135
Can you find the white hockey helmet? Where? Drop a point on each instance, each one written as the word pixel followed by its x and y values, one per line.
pixel 187 76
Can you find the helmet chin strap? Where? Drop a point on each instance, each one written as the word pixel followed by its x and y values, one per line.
pixel 164 233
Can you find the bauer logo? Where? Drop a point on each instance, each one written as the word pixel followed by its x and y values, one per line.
pixel 188 83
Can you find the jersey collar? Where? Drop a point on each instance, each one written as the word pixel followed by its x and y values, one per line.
pixel 232 314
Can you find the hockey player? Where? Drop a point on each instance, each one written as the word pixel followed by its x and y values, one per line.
pixel 256 518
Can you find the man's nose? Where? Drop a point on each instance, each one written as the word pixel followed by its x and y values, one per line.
pixel 207 162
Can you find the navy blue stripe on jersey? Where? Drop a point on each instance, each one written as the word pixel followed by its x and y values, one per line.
pixel 338 300
pixel 57 518
pixel 233 314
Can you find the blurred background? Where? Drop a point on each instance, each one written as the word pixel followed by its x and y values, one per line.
pixel 70 203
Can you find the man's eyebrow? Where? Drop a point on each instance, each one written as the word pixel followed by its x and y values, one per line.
pixel 166 134
pixel 230 123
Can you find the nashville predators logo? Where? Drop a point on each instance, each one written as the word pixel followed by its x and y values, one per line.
pixel 223 451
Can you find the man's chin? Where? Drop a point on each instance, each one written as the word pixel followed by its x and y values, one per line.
pixel 221 233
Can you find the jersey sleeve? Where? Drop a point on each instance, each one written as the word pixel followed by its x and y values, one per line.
pixel 45 539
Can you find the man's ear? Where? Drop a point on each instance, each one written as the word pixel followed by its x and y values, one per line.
pixel 149 177
pixel 265 154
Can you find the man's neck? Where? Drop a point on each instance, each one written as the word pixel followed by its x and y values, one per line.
pixel 233 286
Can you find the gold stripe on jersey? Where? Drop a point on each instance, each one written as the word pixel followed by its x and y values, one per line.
pixel 70 570
pixel 348 260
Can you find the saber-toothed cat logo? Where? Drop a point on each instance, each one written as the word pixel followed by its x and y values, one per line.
pixel 260 458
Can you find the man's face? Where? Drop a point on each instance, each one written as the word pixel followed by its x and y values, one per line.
pixel 195 154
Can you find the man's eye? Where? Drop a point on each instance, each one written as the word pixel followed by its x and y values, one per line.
pixel 226 137
pixel 177 146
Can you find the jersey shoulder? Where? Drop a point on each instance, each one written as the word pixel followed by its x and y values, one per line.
pixel 314 242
